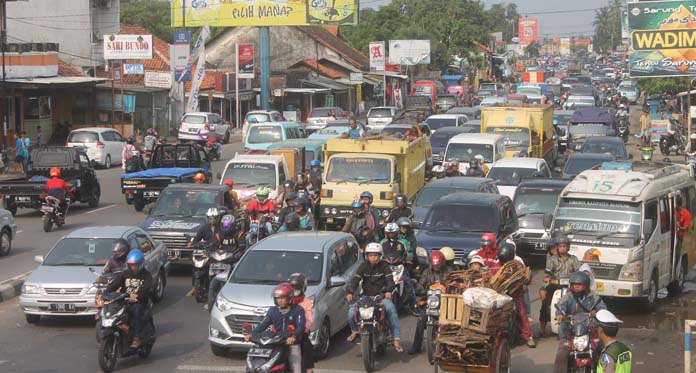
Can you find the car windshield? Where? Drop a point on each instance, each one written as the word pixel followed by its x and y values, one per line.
pixel 462 218
pixel 429 195
pixel 422 90
pixel 515 137
pixel 333 130
pixel 250 175
pixel 265 134
pixel 440 139
pixel 258 118
pixel 447 100
pixel 84 137
pixel 580 101
pixel 560 119
pixel 602 147
pixel 185 202
pixel 576 165
pixel 491 100
pixel 321 113
pixel 380 113
pixel 359 170
pixel 194 119
pixel 595 217
pixel 466 152
pixel 393 131
pixel 528 91
pixel 273 267
pixel 484 92
pixel 509 176
pixel 536 201
pixel 80 252
pixel 437 123
pixel 579 130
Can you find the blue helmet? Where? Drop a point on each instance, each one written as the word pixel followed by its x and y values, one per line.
pixel 357 205
pixel 314 163
pixel 135 256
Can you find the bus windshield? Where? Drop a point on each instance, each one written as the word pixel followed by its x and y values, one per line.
pixel 600 220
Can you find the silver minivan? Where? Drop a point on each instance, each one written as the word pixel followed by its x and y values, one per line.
pixel 327 259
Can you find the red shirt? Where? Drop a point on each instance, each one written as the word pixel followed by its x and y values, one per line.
pixel 684 220
pixel 489 254
pixel 57 183
pixel 264 208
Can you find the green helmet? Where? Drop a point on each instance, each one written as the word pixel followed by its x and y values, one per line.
pixel 262 193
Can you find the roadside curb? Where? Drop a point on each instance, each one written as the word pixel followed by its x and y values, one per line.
pixel 12 287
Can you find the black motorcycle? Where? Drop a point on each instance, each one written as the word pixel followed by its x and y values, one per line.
pixel 622 129
pixel 375 330
pixel 115 332
pixel 582 341
pixel 53 213
pixel 270 353
pixel 222 261
pixel 673 143
pixel 432 310
pixel 201 269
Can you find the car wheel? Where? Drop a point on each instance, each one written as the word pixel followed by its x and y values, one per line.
pixel 217 350
pixel 650 301
pixel 94 201
pixel 324 340
pixel 5 242
pixel 32 319
pixel 159 287
pixel 107 162
pixel 227 137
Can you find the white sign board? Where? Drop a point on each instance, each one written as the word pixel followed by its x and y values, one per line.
pixel 409 52
pixel 133 68
pixel 158 79
pixel 692 109
pixel 179 55
pixel 122 47
pixel 378 56
pixel 356 77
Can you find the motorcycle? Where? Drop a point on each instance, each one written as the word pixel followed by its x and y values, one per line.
pixel 399 297
pixel 52 213
pixel 673 143
pixel 115 332
pixel 433 313
pixel 101 284
pixel 623 129
pixel 221 263
pixel 201 270
pixel 561 290
pixel 270 353
pixel 213 150
pixel 375 330
pixel 258 230
pixel 582 341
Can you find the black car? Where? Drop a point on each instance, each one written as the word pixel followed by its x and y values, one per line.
pixel 473 112
pixel 439 139
pixel 179 212
pixel 579 162
pixel 438 188
pixel 458 221
pixel 606 145
pixel 535 201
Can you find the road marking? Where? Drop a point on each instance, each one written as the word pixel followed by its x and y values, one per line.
pixel 242 369
pixel 18 232
pixel 100 209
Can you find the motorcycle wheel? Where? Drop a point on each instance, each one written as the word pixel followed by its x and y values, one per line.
pixel 139 204
pixel 664 149
pixel 107 354
pixel 367 353
pixel 430 341
pixel 47 223
pixel 201 294
pixel 212 295
pixel 145 351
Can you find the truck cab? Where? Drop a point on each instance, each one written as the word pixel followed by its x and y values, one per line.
pixel 250 172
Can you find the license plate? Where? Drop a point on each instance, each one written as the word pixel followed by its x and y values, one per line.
pixel 540 246
pixel 61 307
pixel 151 194
pixel 600 286
pixel 329 220
pixel 260 352
pixel 23 199
pixel 218 266
pixel 46 208
pixel 172 254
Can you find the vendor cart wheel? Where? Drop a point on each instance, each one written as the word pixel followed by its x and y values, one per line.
pixel 501 362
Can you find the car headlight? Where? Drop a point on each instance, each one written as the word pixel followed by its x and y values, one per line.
pixel 632 272
pixel 580 343
pixel 385 213
pixel 223 304
pixel 433 301
pixel 327 211
pixel 334 211
pixel 31 289
pixel 92 290
pixel 366 313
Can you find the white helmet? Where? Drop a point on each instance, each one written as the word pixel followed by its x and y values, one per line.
pixel 212 213
pixel 438 169
pixel 693 136
pixel 373 247
pixel 391 228
pixel 622 106
pixel 479 157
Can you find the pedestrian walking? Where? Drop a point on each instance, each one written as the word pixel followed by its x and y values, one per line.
pixel 22 150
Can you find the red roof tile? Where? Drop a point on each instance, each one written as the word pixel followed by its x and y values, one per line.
pixel 323 69
pixel 65 69
pixel 340 46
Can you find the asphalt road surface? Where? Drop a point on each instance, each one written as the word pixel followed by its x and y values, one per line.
pixel 68 344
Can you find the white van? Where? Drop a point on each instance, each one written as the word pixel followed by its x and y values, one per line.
pixel 249 172
pixel 466 146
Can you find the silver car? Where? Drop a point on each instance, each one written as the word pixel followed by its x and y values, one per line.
pixel 63 284
pixel 8 231
pixel 327 259
pixel 378 117
pixel 319 117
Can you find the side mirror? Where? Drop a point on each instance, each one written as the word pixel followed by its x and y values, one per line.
pixel 39 259
pixel 92 163
pixel 336 281
pixel 416 224
pixel 397 178
pixel 547 220
pixel 222 277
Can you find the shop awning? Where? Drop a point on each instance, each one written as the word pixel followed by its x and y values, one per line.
pixel 325 83
pixel 54 82
pixel 301 90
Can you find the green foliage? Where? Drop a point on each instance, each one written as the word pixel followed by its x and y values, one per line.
pixel 662 85
pixel 607 26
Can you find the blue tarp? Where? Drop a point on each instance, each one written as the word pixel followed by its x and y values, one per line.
pixel 452 77
pixel 591 115
pixel 164 172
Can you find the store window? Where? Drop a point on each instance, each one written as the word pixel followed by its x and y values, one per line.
pixel 37 107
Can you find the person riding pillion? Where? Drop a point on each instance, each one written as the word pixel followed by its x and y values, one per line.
pixel 400 210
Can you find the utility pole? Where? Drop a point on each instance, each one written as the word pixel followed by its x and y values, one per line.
pixel 265 41
pixel 3 41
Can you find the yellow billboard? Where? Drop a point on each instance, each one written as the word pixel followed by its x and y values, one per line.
pixel 224 13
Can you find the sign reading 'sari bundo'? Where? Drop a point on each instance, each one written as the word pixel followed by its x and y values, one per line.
pixel 227 13
pixel 663 38
pixel 128 47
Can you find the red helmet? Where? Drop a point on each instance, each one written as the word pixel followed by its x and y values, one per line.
pixel 437 258
pixel 283 290
pixel 488 239
pixel 229 182
pixel 55 172
pixel 199 177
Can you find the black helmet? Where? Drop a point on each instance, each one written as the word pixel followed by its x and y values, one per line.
pixel 288 184
pixel 562 239
pixel 403 222
pixel 298 281
pixel 580 278
pixel 301 202
pixel 551 243
pixel 290 196
pixel 130 140
pixel 292 222
pixel 121 248
pixel 400 198
pixel 506 252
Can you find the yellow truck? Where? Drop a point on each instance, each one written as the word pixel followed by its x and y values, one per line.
pixel 527 128
pixel 382 167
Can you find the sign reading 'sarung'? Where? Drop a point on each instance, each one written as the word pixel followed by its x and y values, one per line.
pixel 663 38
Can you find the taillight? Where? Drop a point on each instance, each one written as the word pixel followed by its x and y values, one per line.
pixel 206 125
pixel 247 150
pixel 181 124
pixel 100 144
pixel 66 144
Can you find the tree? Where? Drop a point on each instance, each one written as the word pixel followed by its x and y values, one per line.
pixel 533 49
pixel 663 85
pixel 607 26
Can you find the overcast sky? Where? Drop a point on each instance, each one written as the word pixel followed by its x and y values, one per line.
pixel 568 20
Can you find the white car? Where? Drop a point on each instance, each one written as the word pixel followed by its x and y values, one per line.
pixel 197 126
pixel 380 116
pixel 509 172
pixel 104 145
pixel 438 121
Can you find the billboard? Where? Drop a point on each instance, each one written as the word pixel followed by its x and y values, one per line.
pixel 409 52
pixel 158 79
pixel 528 30
pixel 246 61
pixel 127 47
pixel 378 56
pixel 624 24
pixel 226 13
pixel 663 38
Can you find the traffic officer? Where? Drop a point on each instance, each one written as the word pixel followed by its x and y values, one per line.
pixel 616 357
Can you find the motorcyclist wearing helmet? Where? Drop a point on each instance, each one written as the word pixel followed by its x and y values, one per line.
pixel 127 151
pixel 209 234
pixel 439 172
pixel 298 281
pixel 506 253
pixel 579 299
pixel 301 182
pixel 563 264
pixel 315 176
pixel 302 193
pixel 406 234
pixel 489 249
pixel 448 252
pixel 288 187
pixel 475 169
pixel 281 316
pixel 367 199
pixel 482 163
pixel 117 263
pixel 136 281
pixel 306 218
pixel 376 278
pixel 393 245
pixel 291 223
pixel 233 194
pixel 547 289
pixel 453 169
pixel 436 272
pixel 622 112
pixel 199 178
pixel 358 220
pixel 57 188
pixel 289 207
pixel 400 210
pixel 261 205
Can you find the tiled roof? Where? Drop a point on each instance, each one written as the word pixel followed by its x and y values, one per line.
pixel 67 70
pixel 340 46
pixel 323 69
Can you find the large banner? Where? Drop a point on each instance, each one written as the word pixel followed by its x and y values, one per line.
pixel 528 30
pixel 225 13
pixel 663 38
pixel 409 52
pixel 378 56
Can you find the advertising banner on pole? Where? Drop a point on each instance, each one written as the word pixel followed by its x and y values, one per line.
pixel 196 85
pixel 246 61
pixel 528 30
pixel 127 47
pixel 378 56
pixel 226 13
pixel 409 52
pixel 663 38
pixel 624 24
